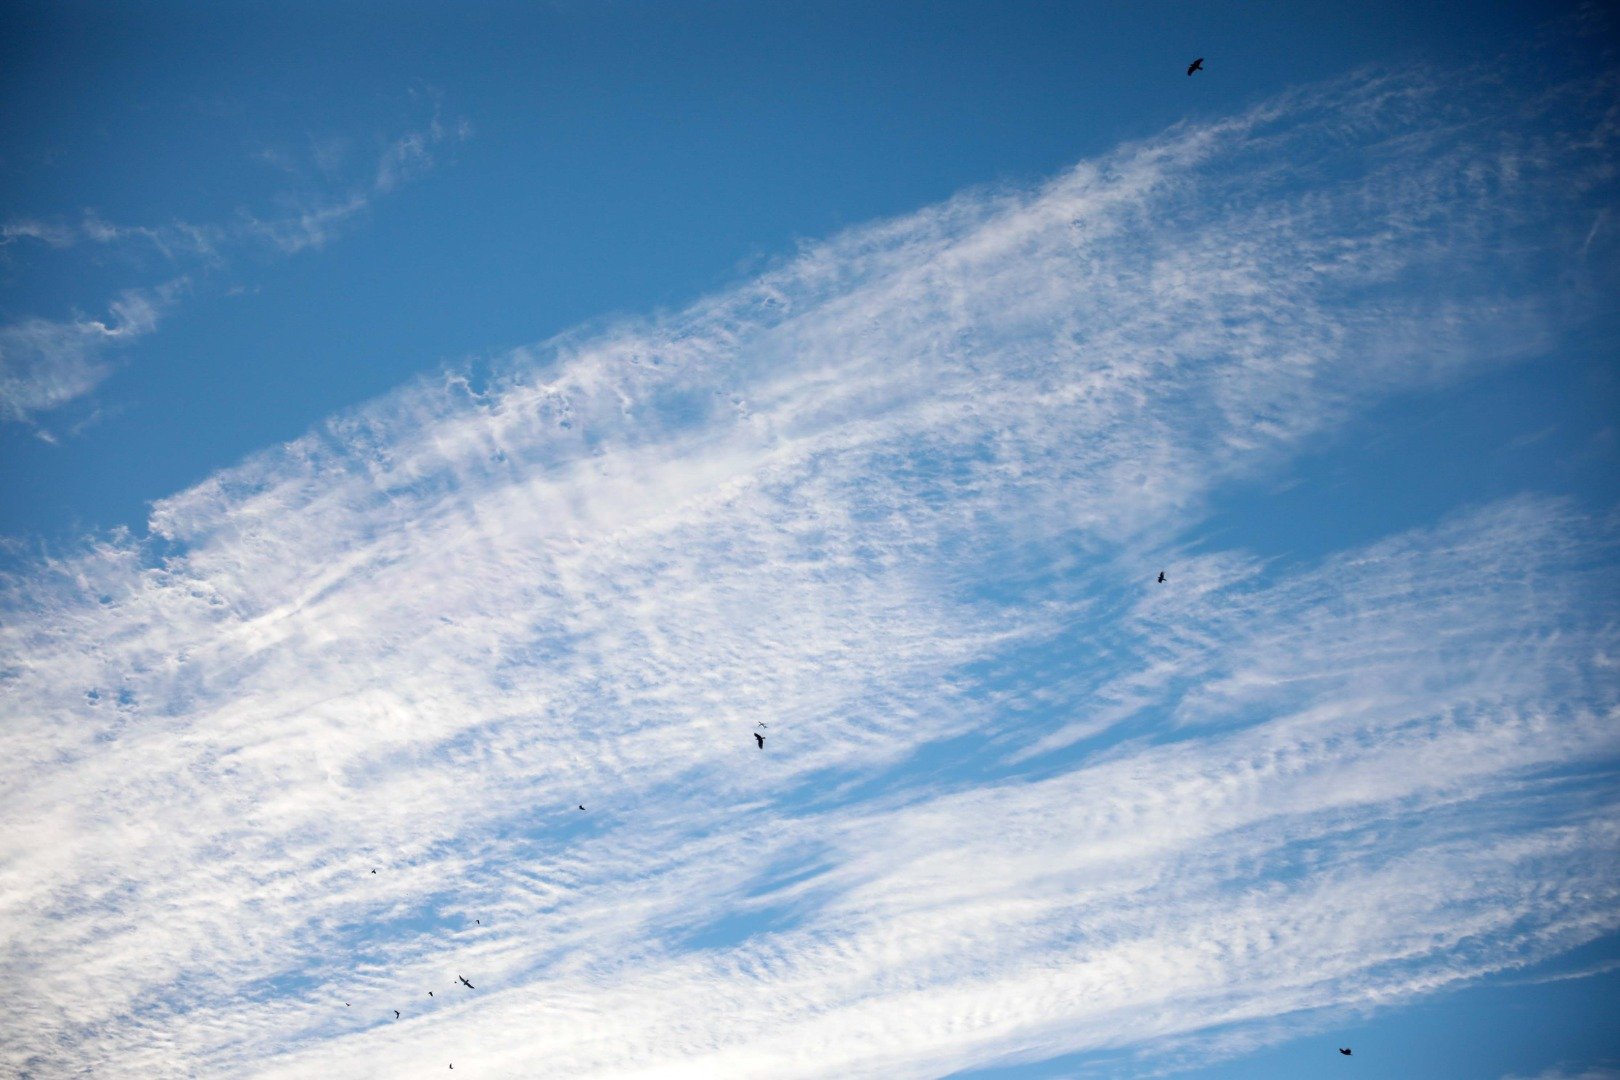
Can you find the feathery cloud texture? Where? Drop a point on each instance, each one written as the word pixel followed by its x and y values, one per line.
pixel 901 498
pixel 45 363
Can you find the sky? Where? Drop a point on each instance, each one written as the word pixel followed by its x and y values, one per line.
pixel 420 422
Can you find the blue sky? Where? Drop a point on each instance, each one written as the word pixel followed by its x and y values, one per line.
pixel 416 422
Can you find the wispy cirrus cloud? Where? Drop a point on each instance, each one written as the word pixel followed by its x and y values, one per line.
pixel 899 498
pixel 45 232
pixel 307 220
pixel 45 363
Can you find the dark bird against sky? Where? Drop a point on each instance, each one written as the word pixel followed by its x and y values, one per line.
pixel 467 984
pixel 1345 1050
pixel 1196 65
pixel 761 740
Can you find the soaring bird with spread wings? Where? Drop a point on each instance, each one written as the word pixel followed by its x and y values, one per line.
pixel 1196 65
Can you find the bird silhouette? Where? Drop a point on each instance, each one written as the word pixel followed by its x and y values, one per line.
pixel 396 1014
pixel 1161 577
pixel 582 806
pixel 467 984
pixel 1196 65
pixel 430 993
pixel 1345 1050
pixel 760 724
pixel 480 922
pixel 345 1004
pixel 760 739
pixel 374 871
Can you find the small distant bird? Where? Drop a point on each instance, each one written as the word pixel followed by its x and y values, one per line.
pixel 761 723
pixel 1196 65
pixel 374 871
pixel 1161 577
pixel 345 1004
pixel 1345 1050
pixel 430 993
pixel 396 1014
pixel 480 922
pixel 759 739
pixel 582 806
pixel 467 984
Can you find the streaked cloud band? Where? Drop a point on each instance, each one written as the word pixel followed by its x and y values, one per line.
pixel 901 498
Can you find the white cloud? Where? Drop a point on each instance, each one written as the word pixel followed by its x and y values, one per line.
pixel 30 229
pixel 44 364
pixel 302 229
pixel 901 499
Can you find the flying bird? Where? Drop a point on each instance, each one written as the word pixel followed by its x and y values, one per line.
pixel 480 922
pixel 374 871
pixel 760 739
pixel 761 724
pixel 430 993
pixel 582 806
pixel 1345 1050
pixel 1161 577
pixel 1196 65
pixel 396 1014
pixel 467 984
